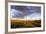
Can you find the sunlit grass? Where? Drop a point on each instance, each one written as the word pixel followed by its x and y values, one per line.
pixel 25 23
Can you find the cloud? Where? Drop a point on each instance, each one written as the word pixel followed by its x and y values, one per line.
pixel 26 12
pixel 15 13
pixel 33 16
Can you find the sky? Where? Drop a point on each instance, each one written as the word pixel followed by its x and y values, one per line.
pixel 25 12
